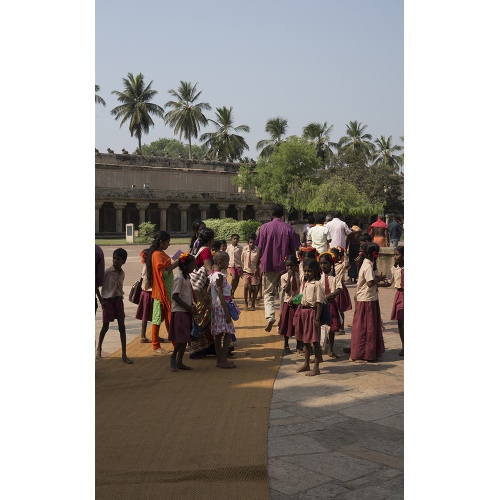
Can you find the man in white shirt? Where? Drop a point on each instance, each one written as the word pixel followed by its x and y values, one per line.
pixel 319 234
pixel 338 231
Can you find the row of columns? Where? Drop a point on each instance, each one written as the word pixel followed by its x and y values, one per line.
pixel 183 207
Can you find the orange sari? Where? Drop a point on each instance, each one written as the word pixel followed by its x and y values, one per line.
pixel 160 262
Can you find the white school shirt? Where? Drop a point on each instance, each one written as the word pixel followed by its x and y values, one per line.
pixel 365 293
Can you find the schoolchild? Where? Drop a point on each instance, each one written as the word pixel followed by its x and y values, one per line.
pixel 367 342
pixel 234 251
pixel 343 300
pixel 396 278
pixel 112 302
pixel 290 284
pixel 307 324
pixel 221 322
pixel 249 258
pixel 332 288
pixel 183 312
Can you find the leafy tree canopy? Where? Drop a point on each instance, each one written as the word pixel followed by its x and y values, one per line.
pixel 173 148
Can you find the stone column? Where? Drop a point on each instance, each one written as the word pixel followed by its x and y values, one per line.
pixel 142 211
pixel 203 209
pixel 241 209
pixel 163 215
pixel 184 208
pixel 222 208
pixel 119 213
pixel 98 205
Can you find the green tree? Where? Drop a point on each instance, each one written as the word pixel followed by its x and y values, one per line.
pixel 355 140
pixel 186 116
pixel 280 177
pixel 385 154
pixel 320 136
pixel 136 106
pixel 99 99
pixel 173 148
pixel 224 143
pixel 276 128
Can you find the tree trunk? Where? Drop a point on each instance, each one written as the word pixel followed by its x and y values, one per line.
pixel 140 148
pixel 189 140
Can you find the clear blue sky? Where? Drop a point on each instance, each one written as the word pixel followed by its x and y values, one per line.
pixel 322 60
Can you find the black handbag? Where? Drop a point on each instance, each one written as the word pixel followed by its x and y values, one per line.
pixel 135 292
pixel 325 317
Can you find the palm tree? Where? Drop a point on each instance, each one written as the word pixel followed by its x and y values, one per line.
pixel 355 141
pixel 320 135
pixel 186 117
pixel 276 127
pixel 99 99
pixel 385 154
pixel 136 106
pixel 224 143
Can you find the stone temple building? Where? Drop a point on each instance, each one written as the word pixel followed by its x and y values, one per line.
pixel 169 192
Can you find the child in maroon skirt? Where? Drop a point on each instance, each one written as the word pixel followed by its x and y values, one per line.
pixel 396 278
pixel 367 343
pixel 343 299
pixel 183 312
pixel 290 284
pixel 308 314
pixel 332 289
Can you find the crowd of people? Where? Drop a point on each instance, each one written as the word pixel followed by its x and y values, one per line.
pixel 303 278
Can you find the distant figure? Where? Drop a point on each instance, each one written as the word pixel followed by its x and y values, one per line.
pixel 96 151
pixel 110 151
pixel 275 241
pixel 395 229
pixel 320 235
pixel 379 232
pixel 305 240
pixel 124 151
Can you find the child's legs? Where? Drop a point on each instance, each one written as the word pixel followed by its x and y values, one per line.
pixel 307 355
pixel 123 338
pixel 155 324
pixel 102 333
pixel 341 320
pixel 246 288
pixel 253 294
pixel 144 327
pixel 401 329
pixel 235 281
pixel 218 347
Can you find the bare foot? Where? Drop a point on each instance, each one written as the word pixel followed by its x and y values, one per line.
pixel 252 308
pixel 127 360
pixel 304 368
pixel 314 371
pixel 227 364
pixel 159 351
pixel 269 326
pixel 182 366
pixel 358 360
pixel 333 355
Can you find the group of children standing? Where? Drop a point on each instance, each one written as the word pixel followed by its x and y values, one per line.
pixel 314 299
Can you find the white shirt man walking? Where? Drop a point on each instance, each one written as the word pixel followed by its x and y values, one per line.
pixel 338 231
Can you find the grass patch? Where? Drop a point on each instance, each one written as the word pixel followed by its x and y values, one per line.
pixel 139 242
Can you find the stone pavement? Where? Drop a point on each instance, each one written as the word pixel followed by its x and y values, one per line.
pixel 338 435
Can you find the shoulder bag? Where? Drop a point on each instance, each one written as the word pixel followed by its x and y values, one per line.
pixel 135 292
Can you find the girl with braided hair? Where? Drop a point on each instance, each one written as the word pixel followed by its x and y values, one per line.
pixel 367 342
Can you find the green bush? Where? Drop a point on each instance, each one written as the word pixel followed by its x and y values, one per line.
pixel 224 228
pixel 147 232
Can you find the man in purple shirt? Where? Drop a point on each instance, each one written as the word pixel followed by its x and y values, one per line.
pixel 276 241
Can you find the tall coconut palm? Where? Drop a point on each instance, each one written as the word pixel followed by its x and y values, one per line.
pixel 136 106
pixel 385 154
pixel 320 136
pixel 99 99
pixel 355 140
pixel 276 127
pixel 186 117
pixel 224 143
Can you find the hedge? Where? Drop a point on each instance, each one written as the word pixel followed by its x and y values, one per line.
pixel 224 228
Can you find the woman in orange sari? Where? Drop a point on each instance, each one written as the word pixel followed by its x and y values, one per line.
pixel 159 268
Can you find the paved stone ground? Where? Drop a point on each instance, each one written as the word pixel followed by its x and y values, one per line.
pixel 338 435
